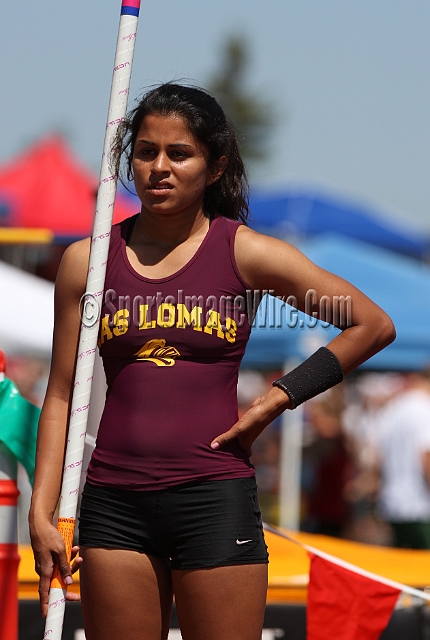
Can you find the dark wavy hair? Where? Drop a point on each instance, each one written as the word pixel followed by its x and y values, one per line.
pixel 228 196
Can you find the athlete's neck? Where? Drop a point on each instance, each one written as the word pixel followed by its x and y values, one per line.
pixel 169 231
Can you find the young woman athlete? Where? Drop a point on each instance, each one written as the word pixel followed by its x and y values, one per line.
pixel 170 507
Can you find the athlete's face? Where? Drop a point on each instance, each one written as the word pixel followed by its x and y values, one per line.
pixel 170 166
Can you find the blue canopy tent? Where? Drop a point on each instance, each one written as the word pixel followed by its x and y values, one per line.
pixel 398 284
pixel 299 214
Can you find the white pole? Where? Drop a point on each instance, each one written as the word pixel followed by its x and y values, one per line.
pixel 92 301
pixel 290 464
pixel 97 401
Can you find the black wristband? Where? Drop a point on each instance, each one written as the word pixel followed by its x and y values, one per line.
pixel 319 372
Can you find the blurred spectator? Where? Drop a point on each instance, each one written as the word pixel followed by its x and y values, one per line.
pixel 251 385
pixel 327 467
pixel 366 396
pixel 403 448
pixel 373 390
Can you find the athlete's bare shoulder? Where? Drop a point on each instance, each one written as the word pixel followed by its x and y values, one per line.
pixel 73 270
pixel 247 237
pixel 263 259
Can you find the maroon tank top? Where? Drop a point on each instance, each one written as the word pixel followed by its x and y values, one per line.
pixel 171 350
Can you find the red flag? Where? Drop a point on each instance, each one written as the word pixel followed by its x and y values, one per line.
pixel 344 605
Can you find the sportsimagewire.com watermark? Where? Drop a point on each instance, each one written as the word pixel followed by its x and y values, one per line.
pixel 259 308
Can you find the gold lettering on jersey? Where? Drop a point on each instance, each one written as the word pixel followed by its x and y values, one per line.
pixel 105 332
pixel 144 323
pixel 214 324
pixel 168 315
pixel 120 321
pixel 185 317
pixel 231 327
pixel 156 351
pixel 118 327
pixel 164 310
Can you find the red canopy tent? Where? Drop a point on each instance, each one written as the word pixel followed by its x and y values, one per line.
pixel 46 187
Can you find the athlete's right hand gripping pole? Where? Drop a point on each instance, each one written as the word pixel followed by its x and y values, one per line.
pixel 91 311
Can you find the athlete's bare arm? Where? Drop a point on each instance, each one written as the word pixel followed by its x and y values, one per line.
pixel 267 263
pixel 48 546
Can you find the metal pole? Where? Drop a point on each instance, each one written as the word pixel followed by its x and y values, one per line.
pixel 91 310
pixel 290 464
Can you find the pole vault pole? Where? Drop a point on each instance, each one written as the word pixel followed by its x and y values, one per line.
pixel 91 306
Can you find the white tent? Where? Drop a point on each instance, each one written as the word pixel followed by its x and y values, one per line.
pixel 26 324
pixel 26 313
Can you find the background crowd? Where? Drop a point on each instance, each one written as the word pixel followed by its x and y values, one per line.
pixel 365 464
pixel 365 471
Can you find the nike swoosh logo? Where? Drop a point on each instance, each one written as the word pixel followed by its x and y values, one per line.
pixel 242 541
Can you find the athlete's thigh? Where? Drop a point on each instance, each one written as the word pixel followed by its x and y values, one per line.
pixel 125 594
pixel 222 602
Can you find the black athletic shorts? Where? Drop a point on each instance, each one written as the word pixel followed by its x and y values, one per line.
pixel 194 526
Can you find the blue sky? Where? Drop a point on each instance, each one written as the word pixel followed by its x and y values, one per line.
pixel 349 81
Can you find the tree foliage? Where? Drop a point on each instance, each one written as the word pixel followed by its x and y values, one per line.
pixel 252 116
